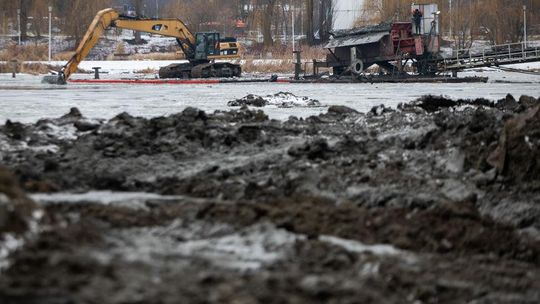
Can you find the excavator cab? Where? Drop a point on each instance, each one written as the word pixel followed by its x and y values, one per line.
pixel 207 45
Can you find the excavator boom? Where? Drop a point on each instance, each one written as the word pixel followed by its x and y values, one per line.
pixel 164 27
pixel 190 44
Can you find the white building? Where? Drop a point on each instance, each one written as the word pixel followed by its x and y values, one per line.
pixel 347 11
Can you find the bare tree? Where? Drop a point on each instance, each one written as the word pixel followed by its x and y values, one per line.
pixel 39 12
pixel 309 28
pixel 499 29
pixel 78 14
pixel 267 21
pixel 24 6
pixel 326 19
pixel 139 12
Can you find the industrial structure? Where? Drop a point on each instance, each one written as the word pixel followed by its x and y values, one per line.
pixel 396 46
pixel 389 45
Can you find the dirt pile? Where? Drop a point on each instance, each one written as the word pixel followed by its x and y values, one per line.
pixel 434 202
pixel 20 218
pixel 518 154
pixel 16 210
pixel 281 100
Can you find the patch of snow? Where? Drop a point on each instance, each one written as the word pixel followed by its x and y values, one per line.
pixel 452 161
pixel 407 133
pixel 130 199
pixel 17 145
pixel 245 250
pixel 355 246
pixel 380 250
pixel 62 132
pixel 45 148
pixel 6 146
pixel 8 243
pixel 288 100
pixel 279 100
pixel 370 269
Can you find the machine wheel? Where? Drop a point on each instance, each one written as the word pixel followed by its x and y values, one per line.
pixel 357 67
pixel 237 71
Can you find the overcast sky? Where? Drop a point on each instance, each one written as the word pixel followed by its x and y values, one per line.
pixel 346 12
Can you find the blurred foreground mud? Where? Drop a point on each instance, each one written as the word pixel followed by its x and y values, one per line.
pixel 437 201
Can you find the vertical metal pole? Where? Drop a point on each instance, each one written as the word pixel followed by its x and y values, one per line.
pixel 157 9
pixel 50 33
pixel 19 23
pixel 14 68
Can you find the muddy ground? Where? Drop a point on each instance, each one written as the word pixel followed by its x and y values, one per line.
pixel 434 202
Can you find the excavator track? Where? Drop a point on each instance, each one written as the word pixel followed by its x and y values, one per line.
pixel 204 70
pixel 176 70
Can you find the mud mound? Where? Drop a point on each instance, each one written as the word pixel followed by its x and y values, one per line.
pixel 281 100
pixel 16 210
pixel 19 217
pixel 432 103
pixel 405 202
pixel 518 154
pixel 455 228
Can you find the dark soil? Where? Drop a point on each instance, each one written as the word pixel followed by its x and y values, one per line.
pixel 435 202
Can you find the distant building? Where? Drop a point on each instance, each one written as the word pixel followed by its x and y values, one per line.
pixel 347 11
pixel 150 7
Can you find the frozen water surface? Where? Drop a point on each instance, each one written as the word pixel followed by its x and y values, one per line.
pixel 25 99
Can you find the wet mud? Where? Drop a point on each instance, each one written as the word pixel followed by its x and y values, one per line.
pixel 436 201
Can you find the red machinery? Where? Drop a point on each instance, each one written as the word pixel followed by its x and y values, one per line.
pixel 390 45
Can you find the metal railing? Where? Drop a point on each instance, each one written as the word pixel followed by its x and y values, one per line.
pixel 504 53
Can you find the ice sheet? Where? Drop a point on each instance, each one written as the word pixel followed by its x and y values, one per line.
pixel 25 99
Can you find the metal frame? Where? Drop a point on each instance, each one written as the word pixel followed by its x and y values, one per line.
pixel 492 55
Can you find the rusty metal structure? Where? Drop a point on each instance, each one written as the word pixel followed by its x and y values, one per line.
pixel 396 45
pixel 390 45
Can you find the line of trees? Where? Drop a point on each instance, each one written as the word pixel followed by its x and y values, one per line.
pixel 314 18
pixel 71 17
pixel 499 21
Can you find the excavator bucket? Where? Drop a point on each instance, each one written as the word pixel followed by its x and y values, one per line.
pixel 53 79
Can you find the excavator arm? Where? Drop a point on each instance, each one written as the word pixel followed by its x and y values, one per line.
pixel 164 27
pixel 99 25
pixel 110 18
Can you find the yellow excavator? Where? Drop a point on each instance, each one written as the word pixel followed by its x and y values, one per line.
pixel 201 49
